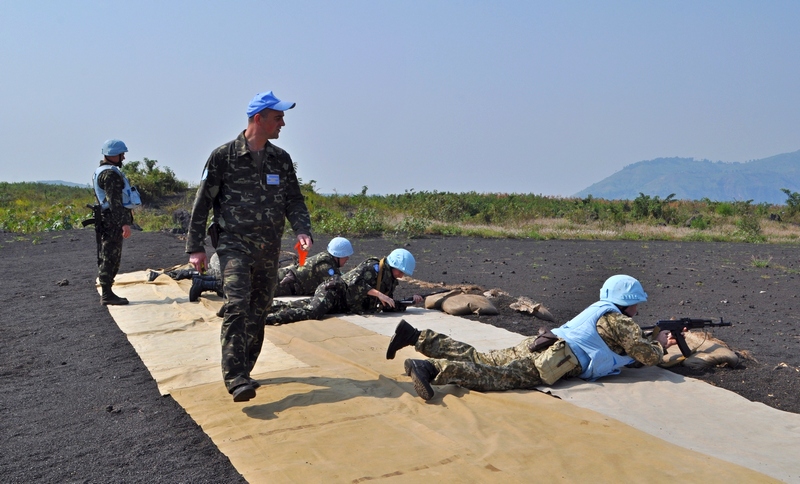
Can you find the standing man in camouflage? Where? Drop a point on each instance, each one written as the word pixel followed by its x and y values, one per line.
pixel 114 217
pixel 595 343
pixel 252 186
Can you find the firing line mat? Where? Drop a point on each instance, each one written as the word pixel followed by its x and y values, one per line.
pixel 331 408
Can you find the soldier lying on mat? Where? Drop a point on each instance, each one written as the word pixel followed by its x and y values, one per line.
pixel 595 343
pixel 368 288
pixel 293 280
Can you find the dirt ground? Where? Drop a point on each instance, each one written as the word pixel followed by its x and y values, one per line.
pixel 78 405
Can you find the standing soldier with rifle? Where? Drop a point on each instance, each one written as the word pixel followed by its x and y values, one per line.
pixel 112 216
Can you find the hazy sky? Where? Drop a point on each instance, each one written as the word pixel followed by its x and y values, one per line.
pixel 486 96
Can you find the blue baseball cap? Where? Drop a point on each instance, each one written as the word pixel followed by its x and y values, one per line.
pixel 264 100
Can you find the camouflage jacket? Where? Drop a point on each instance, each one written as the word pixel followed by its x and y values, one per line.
pixel 363 278
pixel 624 337
pixel 316 270
pixel 113 184
pixel 249 199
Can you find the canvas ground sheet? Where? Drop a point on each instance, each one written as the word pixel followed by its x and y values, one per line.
pixel 332 409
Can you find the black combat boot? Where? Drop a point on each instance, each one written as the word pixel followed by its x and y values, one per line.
pixel 204 283
pixel 243 393
pixel 404 335
pixel 422 372
pixel 108 298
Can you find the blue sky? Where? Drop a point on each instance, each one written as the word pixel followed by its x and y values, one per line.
pixel 507 96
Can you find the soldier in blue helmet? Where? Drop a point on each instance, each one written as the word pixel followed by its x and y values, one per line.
pixel 113 217
pixel 368 288
pixel 302 280
pixel 295 279
pixel 252 188
pixel 595 343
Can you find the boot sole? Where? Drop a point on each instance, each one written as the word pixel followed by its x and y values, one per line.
pixel 391 351
pixel 423 388
pixel 114 303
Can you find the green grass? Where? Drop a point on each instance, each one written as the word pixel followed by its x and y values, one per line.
pixel 757 262
pixel 32 207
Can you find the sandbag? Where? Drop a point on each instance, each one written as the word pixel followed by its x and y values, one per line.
pixel 707 352
pixel 526 305
pixel 463 304
pixel 434 301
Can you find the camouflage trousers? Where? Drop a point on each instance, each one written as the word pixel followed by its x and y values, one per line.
pixel 109 254
pixel 463 365
pixel 249 277
pixel 328 298
pixel 288 288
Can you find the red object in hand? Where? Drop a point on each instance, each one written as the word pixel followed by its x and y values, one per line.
pixel 301 253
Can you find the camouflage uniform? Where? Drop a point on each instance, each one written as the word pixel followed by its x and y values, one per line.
pixel 252 195
pixel 365 277
pixel 345 294
pixel 304 279
pixel 109 244
pixel 513 368
pixel 329 297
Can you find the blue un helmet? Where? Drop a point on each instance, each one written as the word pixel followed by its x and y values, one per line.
pixel 340 247
pixel 114 147
pixel 623 290
pixel 402 260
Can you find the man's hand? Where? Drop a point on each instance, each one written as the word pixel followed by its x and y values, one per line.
pixel 383 298
pixel 386 300
pixel 199 261
pixel 305 241
pixel 666 339
pixel 126 231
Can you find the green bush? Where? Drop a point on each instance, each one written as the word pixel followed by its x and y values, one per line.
pixel 699 223
pixel 153 182
pixel 749 228
pixel 792 201
pixel 725 209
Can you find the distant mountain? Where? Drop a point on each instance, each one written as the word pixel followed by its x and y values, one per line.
pixel 690 179
pixel 62 182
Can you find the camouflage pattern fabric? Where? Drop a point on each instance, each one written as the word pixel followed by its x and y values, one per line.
pixel 249 275
pixel 113 184
pixel 316 270
pixel 109 250
pixel 363 278
pixel 328 298
pixel 624 337
pixel 340 294
pixel 252 195
pixel 513 368
pixel 249 199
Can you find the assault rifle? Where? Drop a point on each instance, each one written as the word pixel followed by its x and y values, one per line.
pixel 95 220
pixel 675 326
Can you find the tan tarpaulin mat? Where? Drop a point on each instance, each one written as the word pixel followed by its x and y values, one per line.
pixel 332 409
pixel 177 340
